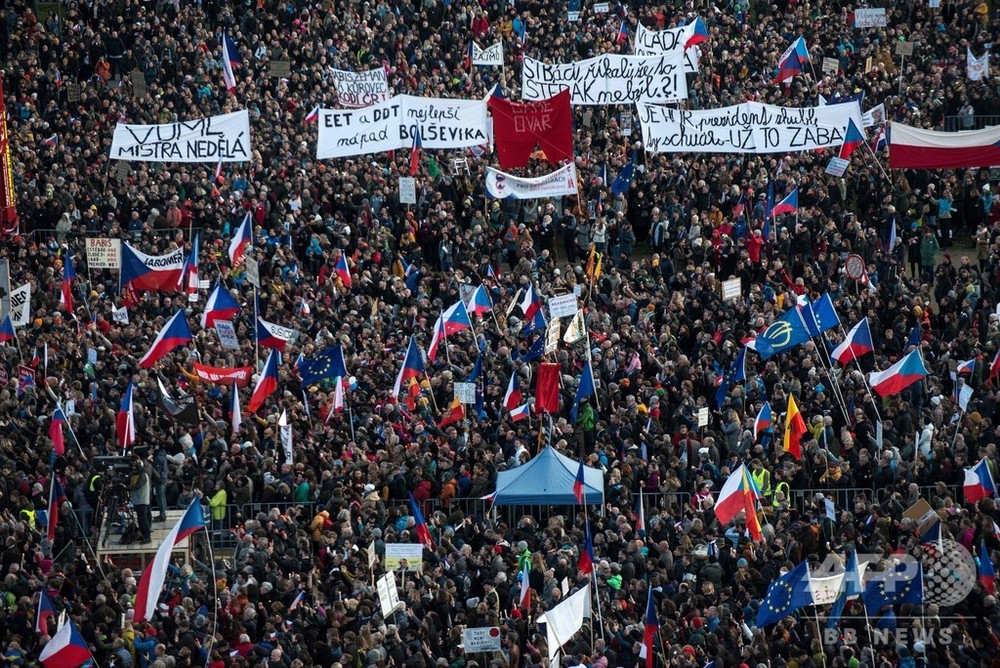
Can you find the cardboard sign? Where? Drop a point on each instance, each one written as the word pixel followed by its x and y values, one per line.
pixel 407 190
pixel 466 392
pixel 481 639
pixel 253 271
pixel 398 553
pixel 563 306
pixel 904 48
pixel 227 334
pixel 280 69
pixel 831 66
pixel 104 253
pixel 919 512
pixel 388 596
pixel 732 289
pixel 837 166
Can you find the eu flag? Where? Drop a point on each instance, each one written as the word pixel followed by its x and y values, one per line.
pixel 788 593
pixel 902 582
pixel 326 364
pixel 783 334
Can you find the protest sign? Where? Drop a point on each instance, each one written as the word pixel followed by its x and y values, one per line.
pixel 874 116
pixel 20 305
pixel 399 554
pixel 361 89
pixel 491 56
pixel 227 335
pixel 481 639
pixel 253 271
pixel 560 182
pixel 103 253
pixel 465 392
pixel 732 289
pixel 831 66
pixel 655 42
pixel 392 124
pixel 608 79
pixel 563 306
pixel 869 17
pixel 223 375
pixel 745 128
pixel 223 138
pixel 837 166
pixel 977 68
pixel 388 596
pixel 279 69
pixel 602 7
pixel 407 190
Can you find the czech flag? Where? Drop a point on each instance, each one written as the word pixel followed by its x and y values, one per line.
pixel 531 302
pixel 788 205
pixel 57 497
pixel 857 343
pixel 737 494
pixel 415 152
pixel 191 266
pixel 220 306
pixel 994 366
pixel 241 239
pixel 436 339
pixel 342 270
pixel 622 33
pixel 479 303
pixel 880 141
pixel 899 376
pixel 56 430
pixel 230 61
pixel 66 649
pixel 273 336
pixel 852 140
pixel 160 273
pixel 586 563
pixel 7 332
pixel 795 426
pixel 763 419
pixel 174 334
pixel 524 600
pixel 45 610
pixel 151 582
pixel 522 412
pixel 456 319
pixel 968 366
pixel 125 420
pixel 578 485
pixel 69 273
pixel 413 366
pixel 312 116
pixel 267 383
pixel 650 627
pixel 789 65
pixel 978 483
pixel 987 574
pixel 699 34
pixel 420 526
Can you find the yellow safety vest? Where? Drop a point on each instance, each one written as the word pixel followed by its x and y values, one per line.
pixel 763 480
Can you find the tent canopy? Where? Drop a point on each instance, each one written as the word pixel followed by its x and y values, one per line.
pixel 547 480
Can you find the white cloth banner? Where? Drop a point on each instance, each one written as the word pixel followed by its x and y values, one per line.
pixel 825 590
pixel 874 116
pixel 564 620
pixel 560 182
pixel 608 79
pixel 392 124
pixel 223 138
pixel 20 305
pixel 491 56
pixel 977 68
pixel 654 42
pixel 360 89
pixel 286 437
pixel 751 127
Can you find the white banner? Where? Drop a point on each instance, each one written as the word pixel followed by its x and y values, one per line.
pixel 491 56
pixel 120 315
pixel 20 305
pixel 104 253
pixel 977 68
pixel 391 125
pixel 745 128
pixel 654 42
pixel 874 116
pixel 608 79
pixel 560 182
pixel 361 89
pixel 225 138
pixel 872 17
pixel 286 437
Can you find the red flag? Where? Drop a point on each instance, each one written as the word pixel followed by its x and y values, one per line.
pixel 547 389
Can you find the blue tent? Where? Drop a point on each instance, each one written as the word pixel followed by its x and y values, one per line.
pixel 547 480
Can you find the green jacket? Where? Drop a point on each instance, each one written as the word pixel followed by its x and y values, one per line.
pixel 929 248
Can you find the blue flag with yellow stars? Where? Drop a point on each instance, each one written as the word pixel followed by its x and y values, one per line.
pixel 325 364
pixel 783 334
pixel 787 594
pixel 901 582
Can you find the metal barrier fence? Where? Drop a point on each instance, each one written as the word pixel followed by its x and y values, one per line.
pixel 954 123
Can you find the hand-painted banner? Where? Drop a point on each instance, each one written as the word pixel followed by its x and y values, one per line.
pixel 491 56
pixel 224 376
pixel 223 138
pixel 392 125
pixel 977 68
pixel 558 183
pixel 608 79
pixel 654 42
pixel 361 89
pixel 745 128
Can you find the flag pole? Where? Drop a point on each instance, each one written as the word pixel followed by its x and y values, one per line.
pixel 256 323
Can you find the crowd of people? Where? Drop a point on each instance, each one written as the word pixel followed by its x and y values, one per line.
pixel 660 338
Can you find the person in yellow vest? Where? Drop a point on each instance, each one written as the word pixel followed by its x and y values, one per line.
pixel 218 505
pixel 762 477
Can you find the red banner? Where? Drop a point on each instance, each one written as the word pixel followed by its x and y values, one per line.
pixel 547 388
pixel 8 214
pixel 518 128
pixel 223 376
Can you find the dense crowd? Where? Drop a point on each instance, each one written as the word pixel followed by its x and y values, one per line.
pixel 660 338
